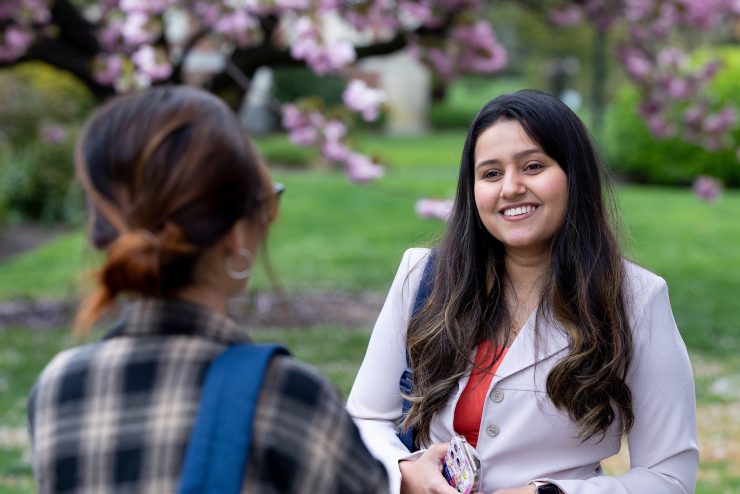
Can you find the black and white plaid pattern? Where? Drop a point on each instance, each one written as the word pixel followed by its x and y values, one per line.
pixel 115 416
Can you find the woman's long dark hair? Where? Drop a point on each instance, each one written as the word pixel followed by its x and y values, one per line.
pixel 582 287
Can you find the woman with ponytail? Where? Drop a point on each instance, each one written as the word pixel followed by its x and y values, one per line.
pixel 180 204
pixel 538 342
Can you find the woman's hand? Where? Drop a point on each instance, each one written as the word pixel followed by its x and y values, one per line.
pixel 527 489
pixel 424 475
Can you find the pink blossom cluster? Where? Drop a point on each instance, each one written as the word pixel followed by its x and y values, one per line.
pixel 440 209
pixel 14 42
pixel 107 69
pixel 18 21
pixel 601 13
pixel 482 54
pixel 139 28
pixel 127 34
pixel 674 90
pixel 310 127
pixel 234 20
pixel 470 48
pixel 377 16
pixel 150 7
pixel 659 19
pixel 151 64
pixel 53 134
pixel 130 31
pixel 299 7
pixel 239 26
pixel 361 98
pixel 387 15
pixel 322 55
pixel 707 188
pixel 675 101
pixel 566 16
pixel 126 25
pixel 147 64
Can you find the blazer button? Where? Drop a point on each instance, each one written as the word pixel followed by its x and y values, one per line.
pixel 497 395
pixel 492 430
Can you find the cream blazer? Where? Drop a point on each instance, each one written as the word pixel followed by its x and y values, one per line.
pixel 523 437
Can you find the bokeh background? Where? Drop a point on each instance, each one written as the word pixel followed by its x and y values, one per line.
pixel 361 110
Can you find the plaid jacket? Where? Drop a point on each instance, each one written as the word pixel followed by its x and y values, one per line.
pixel 115 416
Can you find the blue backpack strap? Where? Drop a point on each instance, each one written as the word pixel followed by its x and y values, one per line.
pixel 406 383
pixel 218 450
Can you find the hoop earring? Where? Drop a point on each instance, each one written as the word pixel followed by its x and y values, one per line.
pixel 243 274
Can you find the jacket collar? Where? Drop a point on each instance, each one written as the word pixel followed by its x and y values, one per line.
pixel 166 317
pixel 532 345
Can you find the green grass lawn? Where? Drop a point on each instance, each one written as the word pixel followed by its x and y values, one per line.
pixel 333 235
pixel 694 246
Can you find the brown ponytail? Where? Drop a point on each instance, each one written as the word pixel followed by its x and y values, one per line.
pixel 167 171
pixel 134 264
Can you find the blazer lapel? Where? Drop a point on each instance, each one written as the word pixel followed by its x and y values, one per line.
pixel 523 352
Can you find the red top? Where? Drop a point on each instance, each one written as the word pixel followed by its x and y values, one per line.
pixel 469 409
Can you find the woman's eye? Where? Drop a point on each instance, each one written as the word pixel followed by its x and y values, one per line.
pixel 534 166
pixel 491 174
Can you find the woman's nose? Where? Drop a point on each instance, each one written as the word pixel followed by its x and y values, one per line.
pixel 512 185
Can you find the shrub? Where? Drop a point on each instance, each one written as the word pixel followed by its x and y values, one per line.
pixel 34 94
pixel 277 150
pixel 41 112
pixel 292 83
pixel 41 184
pixel 634 153
pixel 445 116
pixel 465 97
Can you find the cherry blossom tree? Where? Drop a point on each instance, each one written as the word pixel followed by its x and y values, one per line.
pixel 675 100
pixel 118 45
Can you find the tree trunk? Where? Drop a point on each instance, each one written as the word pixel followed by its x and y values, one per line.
pixel 598 83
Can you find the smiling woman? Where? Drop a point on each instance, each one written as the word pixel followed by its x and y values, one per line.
pixel 537 341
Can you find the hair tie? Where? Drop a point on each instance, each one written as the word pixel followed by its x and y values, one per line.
pixel 152 239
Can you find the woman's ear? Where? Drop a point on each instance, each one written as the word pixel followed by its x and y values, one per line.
pixel 244 234
pixel 232 241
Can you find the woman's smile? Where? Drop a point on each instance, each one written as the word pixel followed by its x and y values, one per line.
pixel 519 211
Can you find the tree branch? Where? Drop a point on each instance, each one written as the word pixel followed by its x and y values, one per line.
pixel 268 55
pixel 176 76
pixel 398 42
